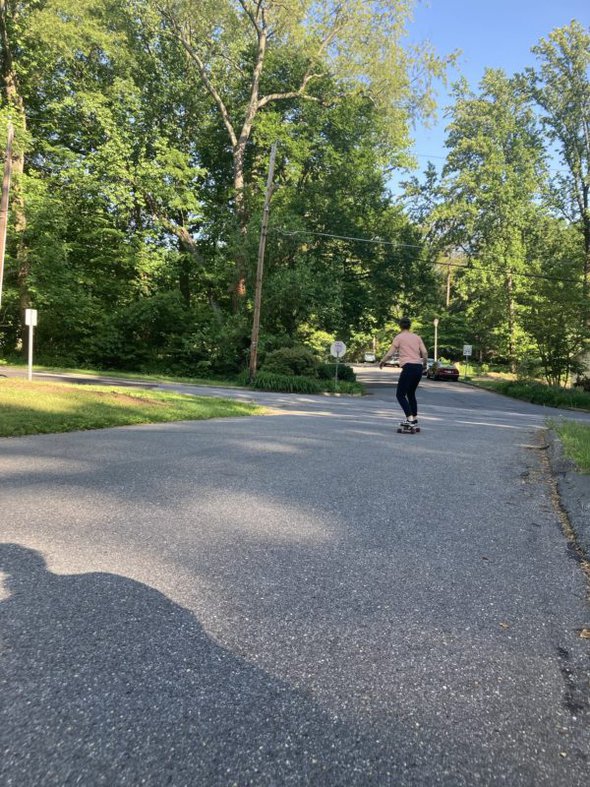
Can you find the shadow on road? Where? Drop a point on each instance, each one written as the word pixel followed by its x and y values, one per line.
pixel 106 681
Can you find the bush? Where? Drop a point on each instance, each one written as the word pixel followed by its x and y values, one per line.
pixel 353 389
pixel 297 361
pixel 583 384
pixel 529 368
pixel 289 383
pixel 549 395
pixel 327 371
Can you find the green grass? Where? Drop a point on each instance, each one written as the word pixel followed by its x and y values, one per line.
pixel 265 381
pixel 222 382
pixel 41 407
pixel 576 443
pixel 539 393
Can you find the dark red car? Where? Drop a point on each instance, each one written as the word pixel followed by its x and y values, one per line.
pixel 442 371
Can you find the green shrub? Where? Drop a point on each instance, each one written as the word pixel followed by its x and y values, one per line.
pixel 327 371
pixel 243 378
pixel 538 393
pixel 344 387
pixel 297 361
pixel 289 383
pixel 528 369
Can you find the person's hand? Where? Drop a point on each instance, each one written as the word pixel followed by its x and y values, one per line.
pixel 381 364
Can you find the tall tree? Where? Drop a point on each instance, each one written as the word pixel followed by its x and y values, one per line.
pixel 552 298
pixel 493 174
pixel 561 86
pixel 40 42
pixel 13 105
pixel 232 44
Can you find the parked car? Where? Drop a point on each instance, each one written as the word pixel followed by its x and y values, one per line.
pixel 369 357
pixel 393 361
pixel 442 371
pixel 429 363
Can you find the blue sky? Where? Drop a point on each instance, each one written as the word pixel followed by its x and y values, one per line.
pixel 489 33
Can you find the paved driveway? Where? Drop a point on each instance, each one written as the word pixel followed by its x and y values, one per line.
pixel 300 598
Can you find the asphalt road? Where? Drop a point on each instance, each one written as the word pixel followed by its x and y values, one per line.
pixel 301 598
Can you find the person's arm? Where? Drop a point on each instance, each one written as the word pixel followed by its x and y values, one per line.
pixel 392 349
pixel 423 353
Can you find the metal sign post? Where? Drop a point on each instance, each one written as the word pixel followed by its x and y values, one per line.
pixel 435 321
pixel 337 350
pixel 467 352
pixel 31 321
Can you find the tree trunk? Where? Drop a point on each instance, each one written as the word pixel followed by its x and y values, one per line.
pixel 15 102
pixel 239 154
pixel 184 280
pixel 583 357
pixel 448 299
pixel 511 321
pixel 586 233
pixel 239 287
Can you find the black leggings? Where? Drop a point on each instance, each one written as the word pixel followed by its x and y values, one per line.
pixel 409 378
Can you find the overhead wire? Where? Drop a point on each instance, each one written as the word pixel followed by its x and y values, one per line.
pixel 444 263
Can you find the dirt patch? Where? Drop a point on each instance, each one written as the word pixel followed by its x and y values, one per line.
pixel 129 399
pixel 59 389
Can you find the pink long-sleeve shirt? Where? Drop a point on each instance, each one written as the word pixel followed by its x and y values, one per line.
pixel 409 346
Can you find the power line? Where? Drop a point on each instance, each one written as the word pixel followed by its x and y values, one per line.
pixel 347 237
pixel 446 264
pixel 552 170
pixel 507 270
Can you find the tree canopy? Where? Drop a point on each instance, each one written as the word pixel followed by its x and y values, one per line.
pixel 143 129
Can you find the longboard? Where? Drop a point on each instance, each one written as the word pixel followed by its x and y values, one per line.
pixel 408 429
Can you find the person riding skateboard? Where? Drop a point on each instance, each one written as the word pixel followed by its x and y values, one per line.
pixel 412 360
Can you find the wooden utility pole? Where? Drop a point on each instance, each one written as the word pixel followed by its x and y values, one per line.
pixel 449 284
pixel 4 202
pixel 260 266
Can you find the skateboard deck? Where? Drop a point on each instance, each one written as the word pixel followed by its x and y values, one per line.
pixel 408 429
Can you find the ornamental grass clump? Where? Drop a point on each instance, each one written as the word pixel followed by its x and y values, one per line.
pixel 287 383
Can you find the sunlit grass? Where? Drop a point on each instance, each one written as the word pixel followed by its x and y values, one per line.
pixel 576 442
pixel 41 407
pixel 223 382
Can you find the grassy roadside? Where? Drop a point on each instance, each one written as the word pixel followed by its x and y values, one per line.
pixel 575 438
pixel 264 380
pixel 42 408
pixel 537 393
pixel 221 382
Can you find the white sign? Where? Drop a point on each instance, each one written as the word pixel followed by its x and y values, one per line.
pixel 338 349
pixel 467 348
pixel 31 321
